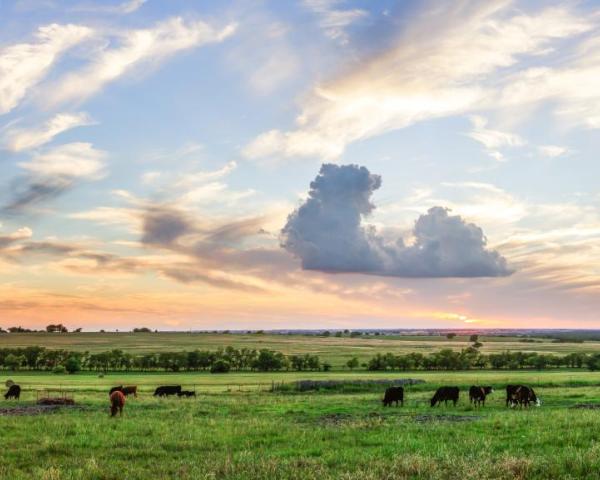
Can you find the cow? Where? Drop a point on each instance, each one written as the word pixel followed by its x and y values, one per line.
pixel 115 389
pixel 443 394
pixel 167 390
pixel 393 394
pixel 14 391
pixel 521 395
pixel 131 390
pixel 477 394
pixel 117 402
pixel 186 393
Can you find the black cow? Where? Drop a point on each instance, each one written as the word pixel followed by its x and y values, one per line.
pixel 167 390
pixel 521 395
pixel 477 394
pixel 186 393
pixel 443 394
pixel 131 390
pixel 393 394
pixel 115 389
pixel 14 391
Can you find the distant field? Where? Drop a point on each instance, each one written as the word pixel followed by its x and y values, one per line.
pixel 332 349
pixel 233 431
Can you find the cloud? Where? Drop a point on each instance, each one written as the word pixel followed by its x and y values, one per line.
pixel 164 225
pixel 333 20
pixel 327 233
pixel 493 140
pixel 124 8
pixel 23 65
pixel 147 47
pixel 18 235
pixel 54 171
pixel 19 139
pixel 552 151
pixel 451 60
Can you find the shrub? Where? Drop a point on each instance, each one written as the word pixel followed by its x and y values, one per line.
pixel 220 366
pixel 59 369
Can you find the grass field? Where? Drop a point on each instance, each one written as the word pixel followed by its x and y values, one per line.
pixel 334 350
pixel 237 428
pixel 240 432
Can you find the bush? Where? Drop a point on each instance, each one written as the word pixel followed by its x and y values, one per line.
pixel 220 366
pixel 59 369
pixel 72 365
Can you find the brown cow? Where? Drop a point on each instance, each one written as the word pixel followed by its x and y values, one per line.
pixel 131 390
pixel 117 402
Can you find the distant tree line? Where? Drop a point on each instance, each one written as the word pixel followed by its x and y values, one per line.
pixel 265 360
pixel 222 360
pixel 471 358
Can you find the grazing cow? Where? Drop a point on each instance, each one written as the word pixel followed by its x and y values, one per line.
pixel 186 393
pixel 393 394
pixel 115 389
pixel 131 390
pixel 443 394
pixel 167 390
pixel 117 402
pixel 477 394
pixel 521 395
pixel 14 391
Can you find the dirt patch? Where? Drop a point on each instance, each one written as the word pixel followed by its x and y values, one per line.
pixel 35 409
pixel 587 406
pixel 445 418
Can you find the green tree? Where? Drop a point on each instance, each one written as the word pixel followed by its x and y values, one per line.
pixel 352 363
pixel 72 365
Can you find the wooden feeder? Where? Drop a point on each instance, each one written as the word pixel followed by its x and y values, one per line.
pixel 55 396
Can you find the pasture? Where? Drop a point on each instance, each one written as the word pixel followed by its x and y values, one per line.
pixel 335 350
pixel 237 429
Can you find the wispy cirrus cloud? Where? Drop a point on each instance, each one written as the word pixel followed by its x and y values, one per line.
pixel 17 139
pixel 24 65
pixel 454 59
pixel 136 49
pixel 333 18
pixel 54 171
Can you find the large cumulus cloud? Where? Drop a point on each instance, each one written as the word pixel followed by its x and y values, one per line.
pixel 327 233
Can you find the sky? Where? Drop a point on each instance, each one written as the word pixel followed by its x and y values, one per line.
pixel 310 164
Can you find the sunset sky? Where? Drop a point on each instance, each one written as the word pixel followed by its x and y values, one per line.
pixel 310 164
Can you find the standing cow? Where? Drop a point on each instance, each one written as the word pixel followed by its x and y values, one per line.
pixel 167 390
pixel 131 390
pixel 393 394
pixel 117 402
pixel 477 394
pixel 521 395
pixel 443 394
pixel 14 391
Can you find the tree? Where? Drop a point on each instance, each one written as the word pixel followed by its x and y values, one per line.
pixel 477 345
pixel 72 365
pixel 220 366
pixel 326 366
pixel 14 362
pixel 473 338
pixel 59 328
pixel 450 335
pixel 352 363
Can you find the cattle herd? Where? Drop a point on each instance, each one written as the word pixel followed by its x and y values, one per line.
pixel 516 395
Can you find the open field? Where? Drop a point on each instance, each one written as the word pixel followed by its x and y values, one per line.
pixel 331 349
pixel 244 433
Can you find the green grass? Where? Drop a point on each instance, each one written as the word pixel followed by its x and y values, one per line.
pixel 331 349
pixel 237 429
pixel 226 433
